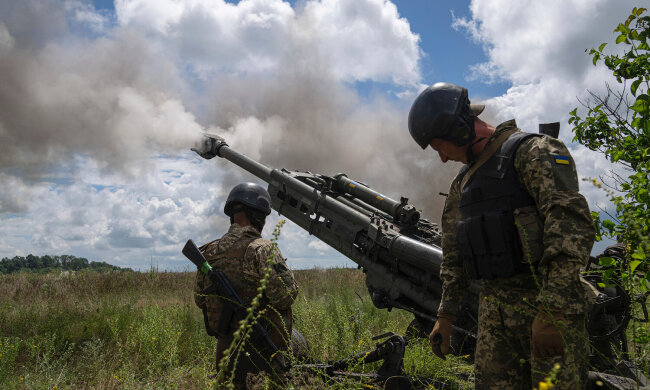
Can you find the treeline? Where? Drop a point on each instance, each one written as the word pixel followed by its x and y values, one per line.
pixel 44 264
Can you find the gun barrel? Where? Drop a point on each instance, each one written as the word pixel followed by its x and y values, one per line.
pixel 423 256
pixel 258 169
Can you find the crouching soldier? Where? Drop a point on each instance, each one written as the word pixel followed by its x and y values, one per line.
pixel 245 258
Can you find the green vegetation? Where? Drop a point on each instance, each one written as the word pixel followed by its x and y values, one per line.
pixel 45 264
pixel 121 330
pixel 618 126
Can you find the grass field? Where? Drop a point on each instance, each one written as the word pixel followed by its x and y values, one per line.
pixel 121 330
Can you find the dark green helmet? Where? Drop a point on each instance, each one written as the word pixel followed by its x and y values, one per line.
pixel 249 194
pixel 443 111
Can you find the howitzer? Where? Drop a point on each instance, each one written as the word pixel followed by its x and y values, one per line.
pixel 397 249
pixel 224 289
pixel 400 252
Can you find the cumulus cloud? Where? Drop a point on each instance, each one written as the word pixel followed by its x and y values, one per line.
pixel 539 48
pixel 352 41
pixel 90 101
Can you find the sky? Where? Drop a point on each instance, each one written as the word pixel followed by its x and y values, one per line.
pixel 100 102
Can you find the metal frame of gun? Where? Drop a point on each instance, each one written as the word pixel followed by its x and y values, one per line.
pixel 397 249
pixel 390 374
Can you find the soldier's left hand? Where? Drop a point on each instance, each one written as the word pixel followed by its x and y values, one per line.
pixel 546 338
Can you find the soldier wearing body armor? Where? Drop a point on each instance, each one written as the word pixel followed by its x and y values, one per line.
pixel 245 257
pixel 515 221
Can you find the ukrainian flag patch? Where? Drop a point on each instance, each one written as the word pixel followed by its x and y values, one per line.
pixel 562 160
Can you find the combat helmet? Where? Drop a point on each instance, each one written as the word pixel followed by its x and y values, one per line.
pixel 443 110
pixel 249 194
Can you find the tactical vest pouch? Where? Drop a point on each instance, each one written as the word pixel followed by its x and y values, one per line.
pixel 488 246
pixel 531 232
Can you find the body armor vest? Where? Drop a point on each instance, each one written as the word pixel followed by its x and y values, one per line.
pixel 489 241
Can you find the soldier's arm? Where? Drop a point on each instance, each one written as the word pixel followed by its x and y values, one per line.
pixel 452 271
pixel 548 172
pixel 281 288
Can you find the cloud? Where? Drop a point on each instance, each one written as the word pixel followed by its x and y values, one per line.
pixel 14 194
pixel 350 41
pixel 527 41
pixel 539 48
pixel 318 245
pixel 97 112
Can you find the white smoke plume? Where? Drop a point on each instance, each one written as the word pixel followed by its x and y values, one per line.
pixel 105 106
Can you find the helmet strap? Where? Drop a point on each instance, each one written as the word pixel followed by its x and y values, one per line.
pixel 470 153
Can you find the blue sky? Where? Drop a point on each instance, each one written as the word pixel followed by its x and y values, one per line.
pixel 98 107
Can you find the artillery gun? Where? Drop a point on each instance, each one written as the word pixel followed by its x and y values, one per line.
pixel 400 253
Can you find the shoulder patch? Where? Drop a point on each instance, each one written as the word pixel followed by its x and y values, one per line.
pixel 562 160
pixel 564 172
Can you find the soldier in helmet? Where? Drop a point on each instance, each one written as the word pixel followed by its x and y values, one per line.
pixel 245 257
pixel 515 221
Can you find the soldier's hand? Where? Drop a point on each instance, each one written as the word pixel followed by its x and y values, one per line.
pixel 440 336
pixel 546 338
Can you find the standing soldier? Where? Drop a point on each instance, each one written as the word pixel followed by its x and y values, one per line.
pixel 245 258
pixel 514 220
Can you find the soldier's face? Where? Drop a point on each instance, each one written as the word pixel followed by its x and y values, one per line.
pixel 449 151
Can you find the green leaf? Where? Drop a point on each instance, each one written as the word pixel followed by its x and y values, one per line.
pixel 602 46
pixel 634 264
pixel 596 58
pixel 605 261
pixel 634 86
pixel 609 225
pixel 638 255
pixel 621 38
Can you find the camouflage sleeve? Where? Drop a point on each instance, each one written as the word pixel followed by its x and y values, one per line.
pixel 452 271
pixel 548 172
pixel 281 289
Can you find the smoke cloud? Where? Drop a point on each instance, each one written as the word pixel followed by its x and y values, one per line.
pixel 105 106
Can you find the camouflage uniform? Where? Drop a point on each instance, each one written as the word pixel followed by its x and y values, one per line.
pixel 242 255
pixel 508 305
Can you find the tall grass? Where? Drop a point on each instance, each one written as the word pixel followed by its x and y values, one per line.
pixel 121 330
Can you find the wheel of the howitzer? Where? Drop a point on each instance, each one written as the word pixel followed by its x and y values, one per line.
pixel 606 325
pixel 299 345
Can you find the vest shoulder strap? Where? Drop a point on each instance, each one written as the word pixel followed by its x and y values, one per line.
pixel 485 155
pixel 511 145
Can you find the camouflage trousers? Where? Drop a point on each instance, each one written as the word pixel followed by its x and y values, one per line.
pixel 503 353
